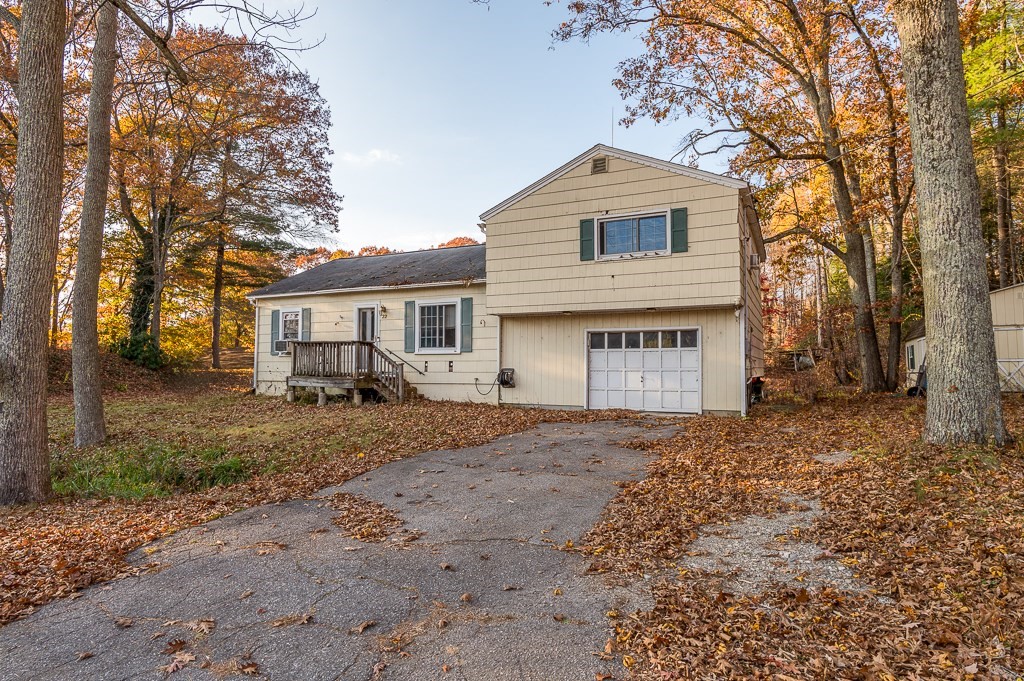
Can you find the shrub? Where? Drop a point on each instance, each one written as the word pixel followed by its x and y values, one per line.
pixel 142 350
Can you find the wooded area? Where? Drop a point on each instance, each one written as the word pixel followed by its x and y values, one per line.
pixel 195 167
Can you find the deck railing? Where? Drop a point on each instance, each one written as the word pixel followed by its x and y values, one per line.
pixel 357 360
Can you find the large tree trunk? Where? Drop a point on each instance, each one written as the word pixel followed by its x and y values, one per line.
pixel 999 168
pixel 142 287
pixel 844 186
pixel 24 455
pixel 90 428
pixel 218 294
pixel 963 389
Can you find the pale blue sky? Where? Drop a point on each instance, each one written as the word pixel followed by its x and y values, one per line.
pixel 443 108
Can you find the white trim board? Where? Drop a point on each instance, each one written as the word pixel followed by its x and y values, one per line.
pixel 604 150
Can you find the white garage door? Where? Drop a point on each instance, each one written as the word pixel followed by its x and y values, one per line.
pixel 654 370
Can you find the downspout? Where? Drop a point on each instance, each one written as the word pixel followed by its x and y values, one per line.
pixel 256 349
pixel 498 368
pixel 743 360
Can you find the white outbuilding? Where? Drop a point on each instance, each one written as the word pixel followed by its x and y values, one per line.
pixel 1008 324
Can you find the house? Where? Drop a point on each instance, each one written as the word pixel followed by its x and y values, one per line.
pixel 617 280
pixel 1008 324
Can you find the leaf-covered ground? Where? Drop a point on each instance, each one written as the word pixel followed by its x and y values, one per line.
pixel 937 537
pixel 187 451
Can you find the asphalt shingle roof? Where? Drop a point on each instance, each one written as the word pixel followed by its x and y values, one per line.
pixel 441 265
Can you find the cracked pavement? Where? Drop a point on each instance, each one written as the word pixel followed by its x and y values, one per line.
pixel 483 593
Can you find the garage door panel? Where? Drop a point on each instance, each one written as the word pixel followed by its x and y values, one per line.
pixel 616 399
pixel 614 379
pixel 671 401
pixel 652 359
pixel 689 359
pixel 688 380
pixel 670 359
pixel 670 380
pixel 634 399
pixel 652 380
pixel 634 360
pixel 598 380
pixel 634 380
pixel 616 359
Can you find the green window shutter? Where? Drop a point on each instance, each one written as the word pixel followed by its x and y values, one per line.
pixel 410 326
pixel 680 235
pixel 586 239
pixel 275 330
pixel 307 318
pixel 467 325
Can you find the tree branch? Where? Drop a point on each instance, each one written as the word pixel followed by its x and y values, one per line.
pixel 158 40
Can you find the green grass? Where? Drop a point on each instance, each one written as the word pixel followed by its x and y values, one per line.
pixel 160 445
pixel 155 471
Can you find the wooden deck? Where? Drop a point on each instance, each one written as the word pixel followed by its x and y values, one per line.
pixel 344 365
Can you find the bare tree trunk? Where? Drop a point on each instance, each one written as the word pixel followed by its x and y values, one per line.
pixel 964 404
pixel 90 426
pixel 895 350
pixel 218 293
pixel 999 167
pixel 24 455
pixel 54 314
pixel 870 264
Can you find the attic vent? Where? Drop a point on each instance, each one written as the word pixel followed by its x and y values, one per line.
pixel 599 165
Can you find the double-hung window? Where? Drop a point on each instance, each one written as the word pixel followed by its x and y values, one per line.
pixel 633 235
pixel 291 325
pixel 437 327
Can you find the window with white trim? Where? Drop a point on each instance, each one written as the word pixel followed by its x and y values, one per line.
pixel 437 327
pixel 633 235
pixel 291 325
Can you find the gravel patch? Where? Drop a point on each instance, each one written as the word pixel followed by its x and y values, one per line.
pixel 834 458
pixel 759 552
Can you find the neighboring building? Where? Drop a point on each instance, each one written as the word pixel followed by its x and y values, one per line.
pixel 618 280
pixel 1008 324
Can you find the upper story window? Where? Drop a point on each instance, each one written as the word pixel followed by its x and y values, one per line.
pixel 291 325
pixel 437 327
pixel 640 234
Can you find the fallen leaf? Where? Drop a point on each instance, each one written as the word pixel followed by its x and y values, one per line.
pixel 360 628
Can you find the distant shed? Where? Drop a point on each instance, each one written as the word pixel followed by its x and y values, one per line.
pixel 1008 324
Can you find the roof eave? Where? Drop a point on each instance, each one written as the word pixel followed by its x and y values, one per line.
pixel 256 295
pixel 602 149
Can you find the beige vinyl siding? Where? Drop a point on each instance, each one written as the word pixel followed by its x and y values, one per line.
pixel 333 316
pixel 1008 306
pixel 1008 320
pixel 550 357
pixel 752 302
pixel 533 249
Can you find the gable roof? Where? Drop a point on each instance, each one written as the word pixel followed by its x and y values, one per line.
pixel 604 150
pixel 457 265
pixel 913 329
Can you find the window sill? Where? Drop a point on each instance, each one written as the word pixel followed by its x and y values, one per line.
pixel 634 256
pixel 437 351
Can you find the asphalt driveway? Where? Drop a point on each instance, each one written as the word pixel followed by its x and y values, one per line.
pixel 473 587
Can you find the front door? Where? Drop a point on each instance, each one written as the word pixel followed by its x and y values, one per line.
pixel 366 324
